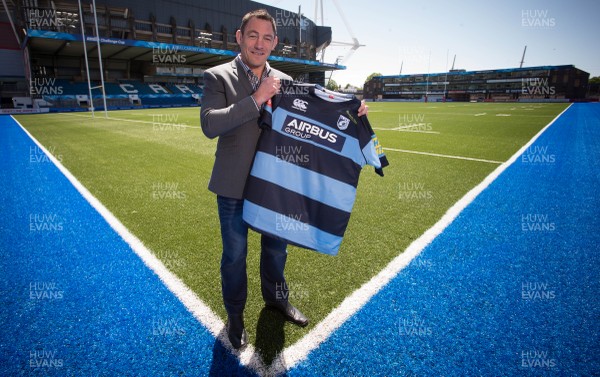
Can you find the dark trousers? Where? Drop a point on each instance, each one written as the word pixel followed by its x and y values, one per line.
pixel 234 281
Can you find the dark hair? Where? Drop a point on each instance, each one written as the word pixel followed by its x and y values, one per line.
pixel 261 14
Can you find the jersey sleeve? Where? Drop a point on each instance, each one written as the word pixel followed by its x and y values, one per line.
pixel 266 118
pixel 371 148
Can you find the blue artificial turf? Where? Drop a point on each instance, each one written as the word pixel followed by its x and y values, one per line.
pixel 510 288
pixel 75 299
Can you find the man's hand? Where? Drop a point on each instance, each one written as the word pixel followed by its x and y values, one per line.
pixel 363 109
pixel 267 89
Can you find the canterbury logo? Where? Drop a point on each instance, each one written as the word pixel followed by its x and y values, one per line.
pixel 300 105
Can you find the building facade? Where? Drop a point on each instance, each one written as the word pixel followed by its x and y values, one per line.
pixel 547 83
pixel 151 42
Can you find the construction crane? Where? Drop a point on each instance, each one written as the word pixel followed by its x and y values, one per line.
pixel 523 57
pixel 354 45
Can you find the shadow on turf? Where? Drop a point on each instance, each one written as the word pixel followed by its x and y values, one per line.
pixel 270 336
pixel 224 363
pixel 270 339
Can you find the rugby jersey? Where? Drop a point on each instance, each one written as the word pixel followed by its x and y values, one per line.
pixel 303 180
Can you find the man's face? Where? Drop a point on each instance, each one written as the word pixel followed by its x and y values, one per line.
pixel 256 43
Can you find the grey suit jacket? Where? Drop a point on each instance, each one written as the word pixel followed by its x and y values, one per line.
pixel 228 112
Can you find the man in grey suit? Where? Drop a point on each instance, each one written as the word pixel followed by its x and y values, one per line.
pixel 233 97
pixel 234 94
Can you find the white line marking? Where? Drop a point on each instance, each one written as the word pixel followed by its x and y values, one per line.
pixel 404 129
pixel 299 351
pixel 202 312
pixel 183 125
pixel 419 132
pixel 410 126
pixel 480 114
pixel 443 155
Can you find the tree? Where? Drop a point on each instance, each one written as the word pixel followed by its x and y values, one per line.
pixel 372 75
pixel 332 85
pixel 594 86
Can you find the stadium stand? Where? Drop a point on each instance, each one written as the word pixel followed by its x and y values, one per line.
pixel 152 53
pixel 546 83
pixel 72 96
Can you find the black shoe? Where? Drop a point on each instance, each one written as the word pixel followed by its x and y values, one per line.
pixel 236 332
pixel 290 313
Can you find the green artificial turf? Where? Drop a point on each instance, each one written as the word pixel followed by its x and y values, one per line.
pixel 151 169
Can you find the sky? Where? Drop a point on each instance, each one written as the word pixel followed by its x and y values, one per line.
pixel 424 36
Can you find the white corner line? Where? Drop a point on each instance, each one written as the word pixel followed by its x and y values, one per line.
pixel 248 357
pixel 299 351
pixel 182 125
pixel 442 155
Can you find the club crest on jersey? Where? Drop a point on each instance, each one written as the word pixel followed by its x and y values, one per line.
pixel 343 122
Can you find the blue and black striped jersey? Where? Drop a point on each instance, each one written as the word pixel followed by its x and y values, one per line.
pixel 309 157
